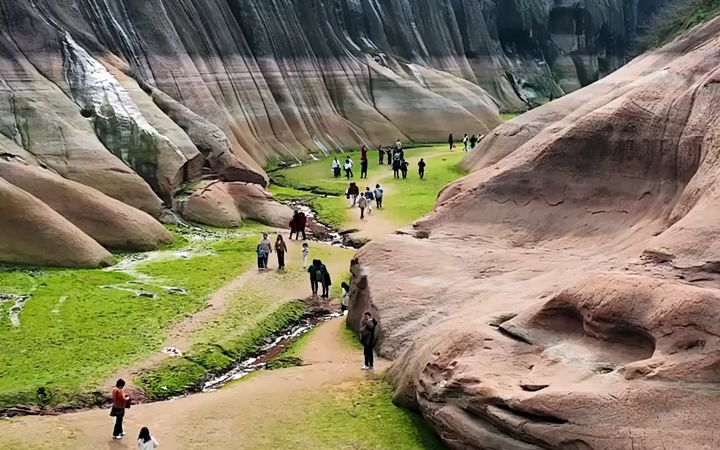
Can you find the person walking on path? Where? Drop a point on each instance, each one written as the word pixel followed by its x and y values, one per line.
pixel 378 196
pixel 264 250
pixel 305 253
pixel 404 168
pixel 465 143
pixel 352 193
pixel 145 441
pixel 348 168
pixel 421 168
pixel 367 339
pixel 300 224
pixel 336 168
pixel 363 168
pixel 316 276
pixel 362 204
pixel 381 155
pixel 120 402
pixel 326 281
pixel 396 168
pixel 451 141
pixel 280 250
pixel 345 288
pixel 370 197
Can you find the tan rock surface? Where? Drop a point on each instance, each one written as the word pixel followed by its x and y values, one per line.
pixel 108 221
pixel 564 294
pixel 32 233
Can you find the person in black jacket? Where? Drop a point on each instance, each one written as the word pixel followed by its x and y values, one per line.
pixel 421 168
pixel 367 338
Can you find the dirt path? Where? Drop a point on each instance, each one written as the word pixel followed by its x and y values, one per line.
pixel 376 223
pixel 218 420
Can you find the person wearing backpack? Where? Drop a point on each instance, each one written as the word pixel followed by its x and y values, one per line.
pixel 378 196
pixel 317 276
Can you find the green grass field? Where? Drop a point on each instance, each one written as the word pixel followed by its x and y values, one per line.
pixel 406 201
pixel 75 331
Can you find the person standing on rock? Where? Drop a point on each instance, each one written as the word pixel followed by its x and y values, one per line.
pixel 362 204
pixel 367 339
pixel 421 168
pixel 264 250
pixel 363 168
pixel 336 168
pixel 451 141
pixel 280 250
pixel 378 196
pixel 120 402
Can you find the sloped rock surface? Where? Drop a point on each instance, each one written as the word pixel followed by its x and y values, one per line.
pixel 33 233
pixel 564 294
pixel 110 222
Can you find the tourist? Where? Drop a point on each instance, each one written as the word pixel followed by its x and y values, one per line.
pixel 362 204
pixel 404 168
pixel 305 253
pixel 316 276
pixel 363 168
pixel 352 194
pixel 345 288
pixel 421 168
pixel 398 146
pixel 363 153
pixel 293 224
pixel 145 441
pixel 451 141
pixel 480 138
pixel 465 142
pixel 367 339
pixel 336 167
pixel 381 155
pixel 396 167
pixel 264 249
pixel 473 141
pixel 120 402
pixel 300 224
pixel 370 197
pixel 348 168
pixel 326 281
pixel 280 249
pixel 378 196
pixel 389 155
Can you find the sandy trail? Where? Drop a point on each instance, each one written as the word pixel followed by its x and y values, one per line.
pixel 218 420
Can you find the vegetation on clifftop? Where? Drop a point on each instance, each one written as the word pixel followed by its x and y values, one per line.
pixel 676 18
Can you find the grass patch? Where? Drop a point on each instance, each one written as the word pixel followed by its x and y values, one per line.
pixel 676 18
pixel 412 198
pixel 176 376
pixel 358 416
pixel 507 117
pixel 351 339
pixel 74 333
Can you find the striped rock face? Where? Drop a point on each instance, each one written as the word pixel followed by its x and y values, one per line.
pixel 565 294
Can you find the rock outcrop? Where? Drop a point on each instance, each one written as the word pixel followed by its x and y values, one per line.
pixel 564 295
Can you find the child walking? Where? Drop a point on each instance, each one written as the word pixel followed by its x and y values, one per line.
pixel 305 253
pixel 145 441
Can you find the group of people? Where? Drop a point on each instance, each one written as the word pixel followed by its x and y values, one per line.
pixel 297 225
pixel 365 200
pixel 319 277
pixel 469 143
pixel 120 403
pixel 265 248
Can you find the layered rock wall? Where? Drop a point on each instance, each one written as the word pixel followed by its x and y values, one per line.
pixel 564 294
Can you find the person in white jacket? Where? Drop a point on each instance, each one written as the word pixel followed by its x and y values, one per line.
pixel 336 168
pixel 145 441
pixel 348 168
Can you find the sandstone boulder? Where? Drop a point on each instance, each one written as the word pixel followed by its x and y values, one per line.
pixel 108 221
pixel 33 233
pixel 564 294
pixel 227 204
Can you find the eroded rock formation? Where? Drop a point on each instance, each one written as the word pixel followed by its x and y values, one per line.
pixel 564 295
